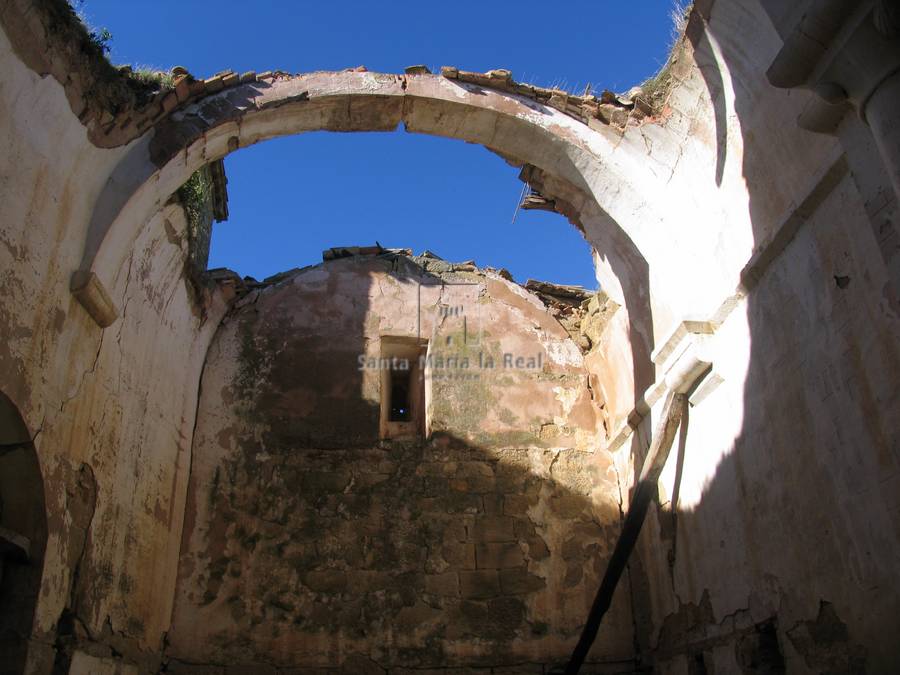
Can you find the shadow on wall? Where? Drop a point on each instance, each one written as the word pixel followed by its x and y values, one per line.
pixel 425 111
pixel 782 554
pixel 308 543
pixel 405 556
pixel 23 536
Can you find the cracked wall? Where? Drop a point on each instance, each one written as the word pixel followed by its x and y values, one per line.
pixel 110 437
pixel 309 543
pixel 777 506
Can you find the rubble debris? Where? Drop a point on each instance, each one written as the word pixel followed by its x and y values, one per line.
pixel 559 291
pixel 584 314
pixel 503 273
pixel 610 109
pixel 337 252
pixel 535 201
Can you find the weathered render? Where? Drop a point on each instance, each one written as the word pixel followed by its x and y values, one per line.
pixel 744 225
pixel 309 542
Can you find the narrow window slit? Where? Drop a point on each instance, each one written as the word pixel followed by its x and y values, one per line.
pixel 400 399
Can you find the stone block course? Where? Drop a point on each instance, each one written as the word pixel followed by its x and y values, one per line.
pixel 80 83
pixel 178 668
pixel 446 584
pixel 520 581
pixel 214 84
pixel 326 581
pixel 518 505
pixel 498 556
pixel 182 87
pixel 492 504
pixel 492 529
pixel 426 541
pixel 479 584
pixel 254 669
pixel 168 102
pixel 461 556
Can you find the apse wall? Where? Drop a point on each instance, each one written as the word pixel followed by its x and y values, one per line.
pixel 310 543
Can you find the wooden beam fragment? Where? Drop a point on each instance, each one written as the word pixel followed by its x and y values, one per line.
pixel 644 492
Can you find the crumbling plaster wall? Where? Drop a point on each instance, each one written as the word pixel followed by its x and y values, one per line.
pixel 789 509
pixel 776 543
pixel 111 410
pixel 310 544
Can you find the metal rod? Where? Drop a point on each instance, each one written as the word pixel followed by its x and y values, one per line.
pixel 519 205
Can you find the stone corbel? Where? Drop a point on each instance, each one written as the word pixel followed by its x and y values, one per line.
pixel 685 363
pixel 823 117
pixel 93 296
pixel 843 51
pixel 684 357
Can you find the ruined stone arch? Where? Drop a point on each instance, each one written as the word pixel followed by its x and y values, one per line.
pixel 525 132
pixel 571 163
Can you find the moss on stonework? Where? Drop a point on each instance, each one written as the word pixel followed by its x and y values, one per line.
pixel 655 90
pixel 159 79
pixel 113 88
pixel 476 398
pixel 196 200
pixel 214 489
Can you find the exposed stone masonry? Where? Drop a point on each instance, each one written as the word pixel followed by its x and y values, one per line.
pixel 309 542
pixel 424 542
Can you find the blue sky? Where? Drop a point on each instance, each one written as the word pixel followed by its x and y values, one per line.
pixel 290 198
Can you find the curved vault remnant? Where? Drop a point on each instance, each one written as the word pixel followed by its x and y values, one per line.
pixel 570 158
pixel 562 156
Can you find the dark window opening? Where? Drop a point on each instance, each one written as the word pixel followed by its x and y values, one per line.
pixel 400 399
pixel 403 407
